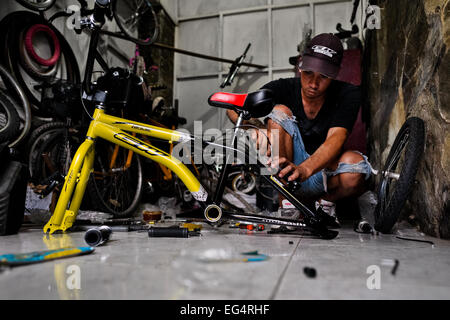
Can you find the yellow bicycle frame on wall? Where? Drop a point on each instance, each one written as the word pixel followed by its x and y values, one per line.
pixel 114 129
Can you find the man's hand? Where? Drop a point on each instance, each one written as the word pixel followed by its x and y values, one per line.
pixel 300 172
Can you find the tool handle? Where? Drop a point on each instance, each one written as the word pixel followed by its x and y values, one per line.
pixel 168 232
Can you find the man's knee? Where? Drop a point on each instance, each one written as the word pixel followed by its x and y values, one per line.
pixel 281 117
pixel 350 157
pixel 351 180
pixel 282 108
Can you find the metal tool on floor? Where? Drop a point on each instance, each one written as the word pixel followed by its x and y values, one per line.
pixel 171 232
pixel 17 259
pixel 363 226
pixel 97 236
pixel 248 226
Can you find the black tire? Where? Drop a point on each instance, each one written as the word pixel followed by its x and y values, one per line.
pixel 13 190
pixel 115 191
pixel 9 119
pixel 58 150
pixel 37 5
pixel 404 158
pixel 138 22
pixel 52 153
pixel 32 138
pixel 12 25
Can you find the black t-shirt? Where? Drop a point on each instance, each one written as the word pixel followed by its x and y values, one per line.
pixel 340 108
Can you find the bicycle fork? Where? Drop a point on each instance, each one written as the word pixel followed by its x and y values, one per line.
pixel 73 189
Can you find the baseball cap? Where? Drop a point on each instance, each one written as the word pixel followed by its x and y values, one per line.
pixel 323 54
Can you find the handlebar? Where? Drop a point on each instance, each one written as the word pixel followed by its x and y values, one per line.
pixel 234 68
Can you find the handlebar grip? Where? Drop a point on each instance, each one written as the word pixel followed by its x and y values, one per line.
pixel 168 232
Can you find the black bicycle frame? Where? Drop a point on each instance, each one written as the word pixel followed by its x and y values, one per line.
pixel 271 179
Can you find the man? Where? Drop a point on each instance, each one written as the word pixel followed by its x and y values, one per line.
pixel 314 115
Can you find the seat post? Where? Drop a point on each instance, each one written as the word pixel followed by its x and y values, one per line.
pixel 239 121
pixel 224 173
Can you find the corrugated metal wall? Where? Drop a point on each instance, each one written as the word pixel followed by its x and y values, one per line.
pixel 224 28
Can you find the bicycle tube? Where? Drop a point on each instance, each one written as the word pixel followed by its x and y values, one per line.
pixel 31 67
pixel 409 142
pixel 28 41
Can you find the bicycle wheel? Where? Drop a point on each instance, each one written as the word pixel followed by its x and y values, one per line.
pixel 37 5
pixel 51 152
pixel 15 25
pixel 115 188
pixel 399 173
pixel 137 20
pixel 9 119
pixel 50 157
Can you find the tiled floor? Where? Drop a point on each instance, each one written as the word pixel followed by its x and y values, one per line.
pixel 134 266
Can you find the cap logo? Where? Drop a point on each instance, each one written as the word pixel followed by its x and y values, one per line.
pixel 323 50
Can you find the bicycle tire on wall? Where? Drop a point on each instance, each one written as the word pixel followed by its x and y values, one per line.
pixel 13 25
pixel 41 6
pixel 147 32
pixel 118 193
pixel 9 119
pixel 410 140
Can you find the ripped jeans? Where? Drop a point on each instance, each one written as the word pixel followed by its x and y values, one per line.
pixel 315 185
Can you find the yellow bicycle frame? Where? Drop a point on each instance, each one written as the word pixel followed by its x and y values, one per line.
pixel 114 130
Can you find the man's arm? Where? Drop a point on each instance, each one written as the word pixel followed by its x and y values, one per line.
pixel 320 159
pixel 232 115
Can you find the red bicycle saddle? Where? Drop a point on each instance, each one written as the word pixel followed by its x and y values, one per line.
pixel 257 104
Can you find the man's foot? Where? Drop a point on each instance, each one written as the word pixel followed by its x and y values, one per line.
pixel 328 209
pixel 287 211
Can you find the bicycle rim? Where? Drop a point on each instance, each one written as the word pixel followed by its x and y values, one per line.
pixel 137 20
pixel 52 151
pixel 403 160
pixel 115 190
